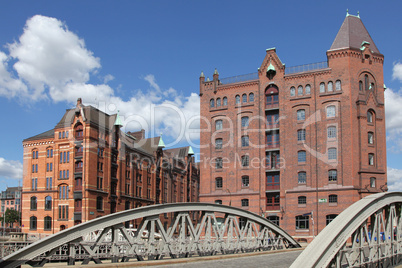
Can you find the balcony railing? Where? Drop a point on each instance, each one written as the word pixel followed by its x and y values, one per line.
pixel 272 145
pixel 238 78
pixel 306 67
pixel 272 105
pixel 273 206
pixel 273 186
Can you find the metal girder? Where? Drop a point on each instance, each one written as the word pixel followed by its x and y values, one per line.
pixel 106 237
pixel 366 234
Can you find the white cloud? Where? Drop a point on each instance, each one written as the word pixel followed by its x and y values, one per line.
pixel 397 71
pixel 393 121
pixel 50 56
pixel 394 179
pixel 10 169
pixel 108 78
pixel 53 63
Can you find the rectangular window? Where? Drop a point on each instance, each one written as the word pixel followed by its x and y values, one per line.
pixel 68 157
pixel 301 135
pixel 67 174
pixel 301 177
pixel 332 175
pixel 301 156
pixel 331 132
pixel 59 135
pixel 99 183
pixel 47 167
pixel 332 155
pixel 218 144
pixel 301 115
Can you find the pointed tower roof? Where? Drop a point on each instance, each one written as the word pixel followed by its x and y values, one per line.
pixel 190 150
pixel 352 34
pixel 118 122
pixel 161 144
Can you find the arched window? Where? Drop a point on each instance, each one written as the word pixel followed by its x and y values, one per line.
pixel 322 87
pixel 34 203
pixel 218 163
pixel 338 86
pixel 212 103
pixel 301 135
pixel 244 121
pixel 48 203
pixel 99 203
pixel 331 132
pixel 332 175
pixel 33 223
pixel 370 138
pixel 292 91
pixel 300 90
pixel 308 89
pixel 63 191
pixel 332 155
pixel 372 86
pixel 330 86
pixel 366 82
pixel 218 143
pixel 360 86
pixel 251 97
pixel 301 156
pixel 244 161
pixel 218 202
pixel 302 222
pixel 225 101
pixel 35 154
pixel 79 132
pixel 218 124
pixel 244 203
pixel 301 177
pixel 371 159
pixel 244 141
pixel 218 102
pixel 301 115
pixel 333 198
pixel 245 181
pixel 49 152
pixel 244 98
pixel 331 111
pixel 330 218
pixel 219 183
pixel 127 205
pixel 47 223
pixel 370 115
pixel 302 200
pixel 237 99
pixel 372 182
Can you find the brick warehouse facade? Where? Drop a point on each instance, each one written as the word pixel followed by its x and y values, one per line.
pixel 300 144
pixel 87 167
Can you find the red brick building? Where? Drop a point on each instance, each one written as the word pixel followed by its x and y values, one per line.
pixel 87 167
pixel 10 199
pixel 297 144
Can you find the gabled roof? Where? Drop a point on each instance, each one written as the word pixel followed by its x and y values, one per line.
pixel 180 152
pixel 92 115
pixel 352 34
pixel 44 135
pixel 149 145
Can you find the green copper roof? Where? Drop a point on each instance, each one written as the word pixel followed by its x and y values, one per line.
pixel 272 48
pixel 118 121
pixel 270 67
pixel 161 144
pixel 202 74
pixel 190 150
pixel 216 71
pixel 208 79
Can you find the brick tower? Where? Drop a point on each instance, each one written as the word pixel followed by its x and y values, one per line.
pixel 298 144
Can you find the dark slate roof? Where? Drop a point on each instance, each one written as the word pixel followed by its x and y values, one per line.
pixel 181 152
pixel 352 34
pixel 149 145
pixel 44 135
pixel 92 114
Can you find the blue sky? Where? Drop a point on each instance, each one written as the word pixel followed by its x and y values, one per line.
pixel 144 56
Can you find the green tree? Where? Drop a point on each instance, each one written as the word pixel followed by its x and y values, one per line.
pixel 12 216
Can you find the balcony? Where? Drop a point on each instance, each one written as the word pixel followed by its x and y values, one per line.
pixel 273 186
pixel 272 105
pixel 273 207
pixel 77 216
pixel 272 145
pixel 78 155
pixel 306 67
pixel 78 170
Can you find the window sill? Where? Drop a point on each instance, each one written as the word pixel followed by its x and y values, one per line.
pixel 330 93
pixel 302 230
pixel 333 204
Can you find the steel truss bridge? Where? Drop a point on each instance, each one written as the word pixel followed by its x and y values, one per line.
pixel 367 234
